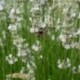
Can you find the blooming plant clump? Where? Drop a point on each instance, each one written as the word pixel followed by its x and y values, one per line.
pixel 40 39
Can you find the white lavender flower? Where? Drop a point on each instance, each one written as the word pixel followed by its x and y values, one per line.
pixel 2 3
pixel 36 47
pixel 64 64
pixel 12 27
pixel 11 59
pixel 76 69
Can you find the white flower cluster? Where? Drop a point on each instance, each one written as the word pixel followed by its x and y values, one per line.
pixel 36 20
pixel 11 59
pixel 2 5
pixel 23 51
pixel 36 47
pixel 15 18
pixel 69 36
pixel 21 46
pixel 59 20
pixel 64 64
pixel 76 70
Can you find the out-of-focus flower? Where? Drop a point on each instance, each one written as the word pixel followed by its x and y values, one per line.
pixel 12 27
pixel 36 47
pixel 11 59
pixel 67 46
pixel 73 15
pixel 64 64
pixel 18 41
pixel 34 29
pixel 76 70
pixel 42 2
pixel 65 10
pixel 53 37
pixel 62 38
pixel 2 3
